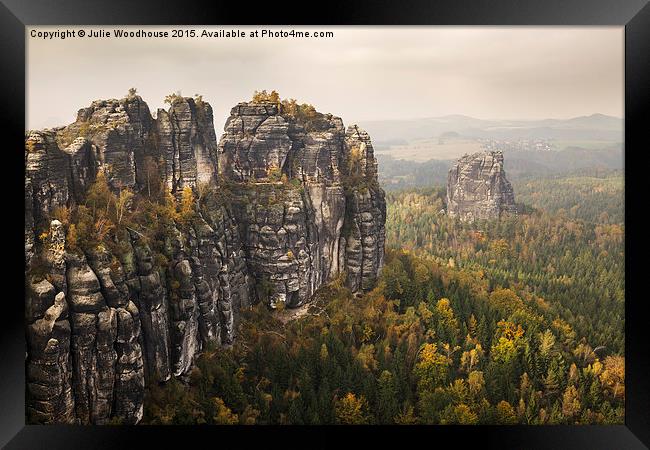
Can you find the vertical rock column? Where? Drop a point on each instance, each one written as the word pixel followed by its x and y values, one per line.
pixel 477 188
pixel 129 366
pixel 187 143
pixel 364 232
pixel 49 367
pixel 150 297
pixel 46 174
pixel 222 256
pixel 94 331
pixel 205 265
pixel 316 156
pixel 129 369
pixel 183 310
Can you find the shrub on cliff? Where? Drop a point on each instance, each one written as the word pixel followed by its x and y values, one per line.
pixel 289 108
pixel 266 97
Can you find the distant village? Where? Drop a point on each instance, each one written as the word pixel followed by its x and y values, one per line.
pixel 520 145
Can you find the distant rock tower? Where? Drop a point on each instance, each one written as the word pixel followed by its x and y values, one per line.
pixel 477 188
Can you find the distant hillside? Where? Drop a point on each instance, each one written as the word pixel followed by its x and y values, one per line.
pixel 397 173
pixel 595 126
pixel 519 165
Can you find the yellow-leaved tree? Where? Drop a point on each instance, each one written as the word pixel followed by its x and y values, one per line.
pixel 187 204
pixel 351 410
pixel 223 414
pixel 505 413
pixel 266 97
pixel 613 376
pixel 570 402
pixel 432 368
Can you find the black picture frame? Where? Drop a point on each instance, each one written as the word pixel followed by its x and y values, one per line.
pixel 633 14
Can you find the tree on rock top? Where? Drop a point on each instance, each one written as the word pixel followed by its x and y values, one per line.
pixel 266 97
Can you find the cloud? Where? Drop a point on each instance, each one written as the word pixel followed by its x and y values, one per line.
pixel 361 73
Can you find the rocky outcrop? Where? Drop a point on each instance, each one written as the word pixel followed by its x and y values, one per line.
pixel 219 263
pixel 187 143
pixel 94 329
pixel 49 368
pixel 255 142
pixel 477 188
pixel 47 177
pixel 282 204
pixel 301 184
pixel 119 134
pixel 364 234
pixel 146 286
pixel 128 388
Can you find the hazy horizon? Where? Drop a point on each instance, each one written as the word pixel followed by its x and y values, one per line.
pixel 362 74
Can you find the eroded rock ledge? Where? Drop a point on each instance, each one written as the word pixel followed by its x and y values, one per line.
pixel 298 205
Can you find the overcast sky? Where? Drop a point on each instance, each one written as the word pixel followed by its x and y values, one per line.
pixel 362 73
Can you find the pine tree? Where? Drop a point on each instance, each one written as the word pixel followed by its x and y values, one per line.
pixel 387 399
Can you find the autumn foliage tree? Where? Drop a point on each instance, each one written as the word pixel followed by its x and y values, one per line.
pixel 352 410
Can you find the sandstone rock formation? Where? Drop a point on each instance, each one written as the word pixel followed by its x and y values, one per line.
pixel 328 220
pixel 477 188
pixel 295 203
pixel 187 143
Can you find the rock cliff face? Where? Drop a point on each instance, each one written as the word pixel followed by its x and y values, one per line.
pixel 294 202
pixel 328 219
pixel 477 188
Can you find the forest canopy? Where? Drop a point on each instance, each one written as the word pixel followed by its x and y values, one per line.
pixel 518 321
